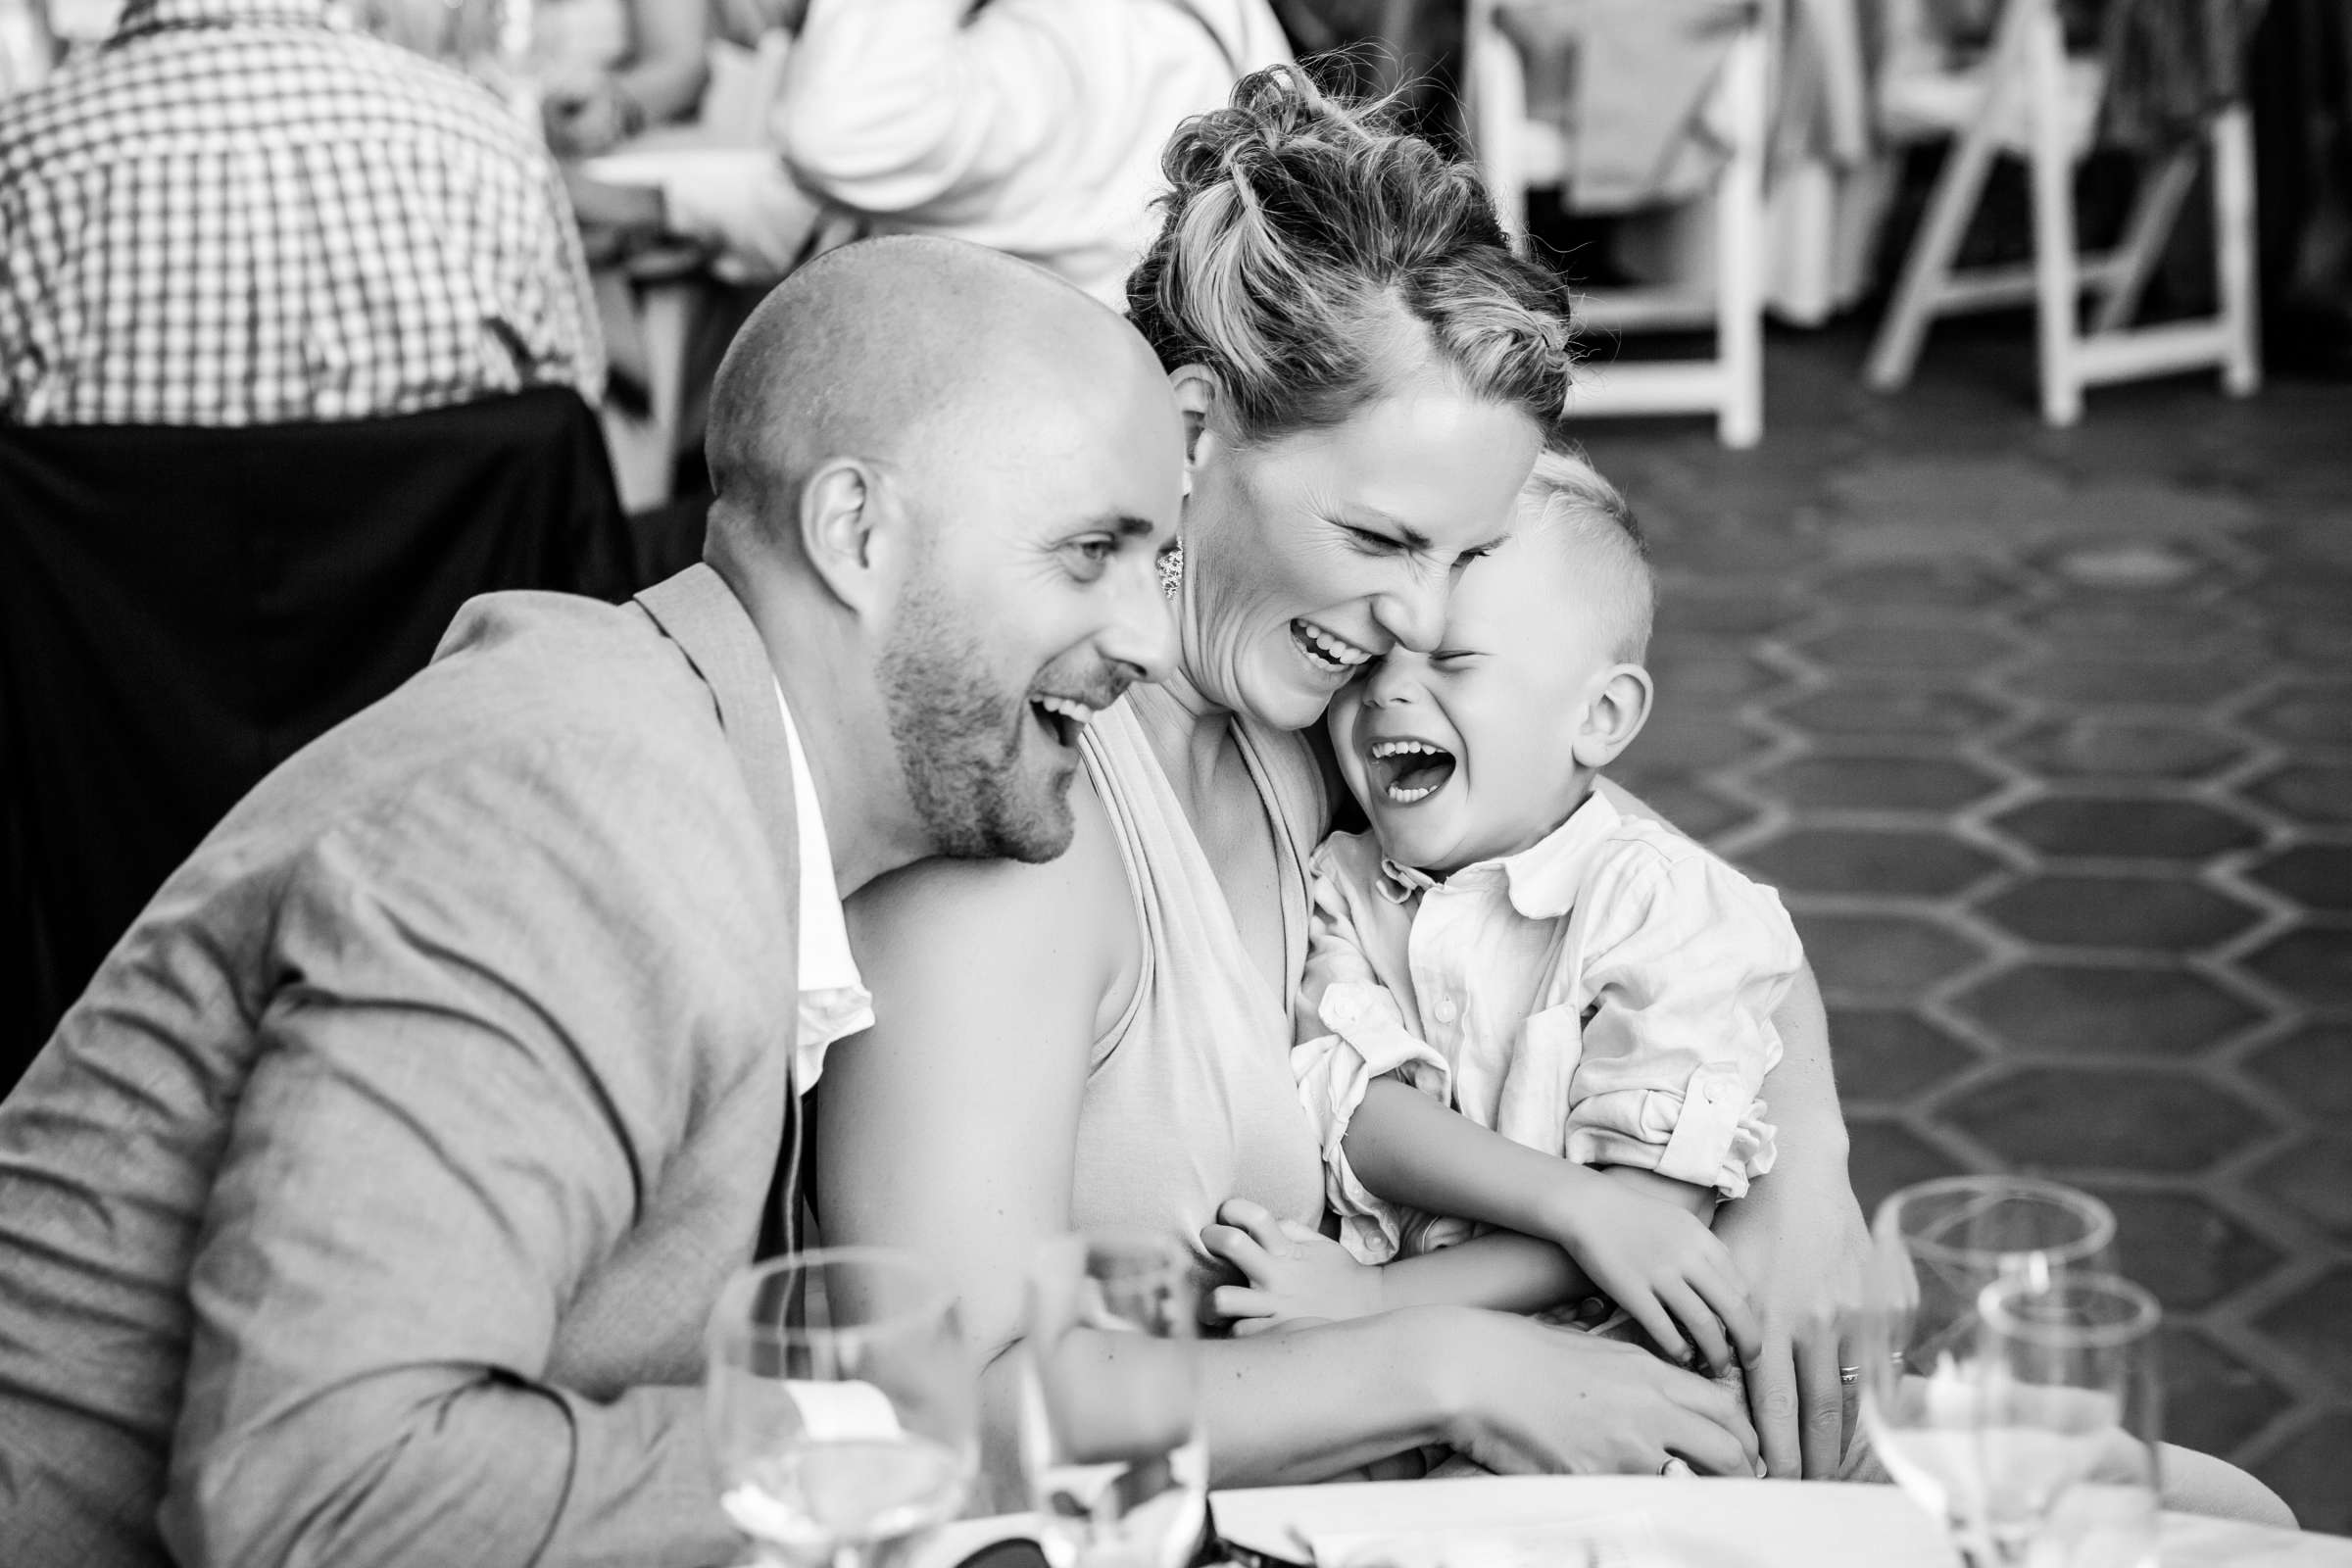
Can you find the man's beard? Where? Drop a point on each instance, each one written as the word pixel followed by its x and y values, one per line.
pixel 959 741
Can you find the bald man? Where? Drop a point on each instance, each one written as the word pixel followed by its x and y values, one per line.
pixel 369 1206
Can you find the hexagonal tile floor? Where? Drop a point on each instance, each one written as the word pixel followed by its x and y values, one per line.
pixel 2047 739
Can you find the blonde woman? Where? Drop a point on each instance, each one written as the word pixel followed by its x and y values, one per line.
pixel 1367 374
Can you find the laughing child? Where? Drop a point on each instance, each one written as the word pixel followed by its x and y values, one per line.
pixel 1533 1027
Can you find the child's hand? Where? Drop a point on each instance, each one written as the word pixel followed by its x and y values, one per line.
pixel 1295 1274
pixel 1665 1268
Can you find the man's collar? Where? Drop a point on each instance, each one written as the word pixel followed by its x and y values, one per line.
pixel 826 961
pixel 151 16
pixel 1542 878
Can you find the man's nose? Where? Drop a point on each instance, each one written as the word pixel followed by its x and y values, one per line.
pixel 1142 633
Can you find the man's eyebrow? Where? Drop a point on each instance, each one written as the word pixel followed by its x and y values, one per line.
pixel 1125 524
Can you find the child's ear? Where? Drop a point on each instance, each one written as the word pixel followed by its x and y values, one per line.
pixel 1618 708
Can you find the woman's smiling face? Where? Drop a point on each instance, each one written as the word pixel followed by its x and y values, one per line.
pixel 1311 554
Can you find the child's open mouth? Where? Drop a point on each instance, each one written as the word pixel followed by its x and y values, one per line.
pixel 1409 770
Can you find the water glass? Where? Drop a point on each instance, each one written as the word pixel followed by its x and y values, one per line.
pixel 842 1407
pixel 1934 1249
pixel 2068 1406
pixel 1111 1447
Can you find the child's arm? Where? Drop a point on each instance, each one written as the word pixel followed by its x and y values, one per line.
pixel 1423 1155
pixel 1352 1033
pixel 1298 1276
pixel 1654 1258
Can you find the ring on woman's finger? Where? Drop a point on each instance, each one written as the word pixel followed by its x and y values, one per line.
pixel 1848 1375
pixel 1676 1465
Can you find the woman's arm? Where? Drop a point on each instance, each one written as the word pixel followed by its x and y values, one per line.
pixel 585 110
pixel 1801 1242
pixel 1799 1238
pixel 949 1129
pixel 670 63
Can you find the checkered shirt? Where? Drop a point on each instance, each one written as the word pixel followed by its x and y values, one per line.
pixel 238 214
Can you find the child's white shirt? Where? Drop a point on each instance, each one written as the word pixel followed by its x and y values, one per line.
pixel 1604 995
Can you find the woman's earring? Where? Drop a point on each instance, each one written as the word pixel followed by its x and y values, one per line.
pixel 1171 572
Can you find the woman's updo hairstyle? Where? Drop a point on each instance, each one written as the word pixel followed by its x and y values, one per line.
pixel 1303 236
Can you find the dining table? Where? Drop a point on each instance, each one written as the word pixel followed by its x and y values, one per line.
pixel 1615 1521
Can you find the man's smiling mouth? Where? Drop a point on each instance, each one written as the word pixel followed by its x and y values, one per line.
pixel 1064 717
pixel 1407 770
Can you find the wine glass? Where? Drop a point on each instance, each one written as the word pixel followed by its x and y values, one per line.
pixel 842 1407
pixel 1934 1247
pixel 1111 1446
pixel 2067 1419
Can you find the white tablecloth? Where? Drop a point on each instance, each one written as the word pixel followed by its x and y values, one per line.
pixel 1720 1523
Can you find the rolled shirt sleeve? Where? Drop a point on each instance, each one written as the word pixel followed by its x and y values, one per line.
pixel 1682 982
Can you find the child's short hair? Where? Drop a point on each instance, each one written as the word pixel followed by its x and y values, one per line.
pixel 1566 497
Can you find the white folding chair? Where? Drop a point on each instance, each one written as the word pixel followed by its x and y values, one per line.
pixel 2027 98
pixel 1517 155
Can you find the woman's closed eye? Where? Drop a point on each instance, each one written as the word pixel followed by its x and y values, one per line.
pixel 1375 544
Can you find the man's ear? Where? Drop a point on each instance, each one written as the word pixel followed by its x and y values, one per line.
pixel 1613 715
pixel 849 530
pixel 1197 392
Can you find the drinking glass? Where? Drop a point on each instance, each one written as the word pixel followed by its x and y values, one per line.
pixel 2069 1407
pixel 1111 1447
pixel 1934 1247
pixel 842 1407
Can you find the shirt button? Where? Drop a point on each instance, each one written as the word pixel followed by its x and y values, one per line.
pixel 1445 1009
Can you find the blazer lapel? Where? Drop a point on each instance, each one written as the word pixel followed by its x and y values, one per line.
pixel 701 613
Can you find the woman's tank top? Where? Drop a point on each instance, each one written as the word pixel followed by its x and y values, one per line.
pixel 1189 1098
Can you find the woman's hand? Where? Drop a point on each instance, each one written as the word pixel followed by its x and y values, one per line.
pixel 1533 1399
pixel 1804 1263
pixel 1664 1267
pixel 1295 1274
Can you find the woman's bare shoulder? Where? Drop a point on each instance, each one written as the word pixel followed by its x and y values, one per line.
pixel 1067 921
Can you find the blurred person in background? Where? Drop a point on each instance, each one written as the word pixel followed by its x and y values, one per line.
pixel 1033 127
pixel 607 68
pixel 237 213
